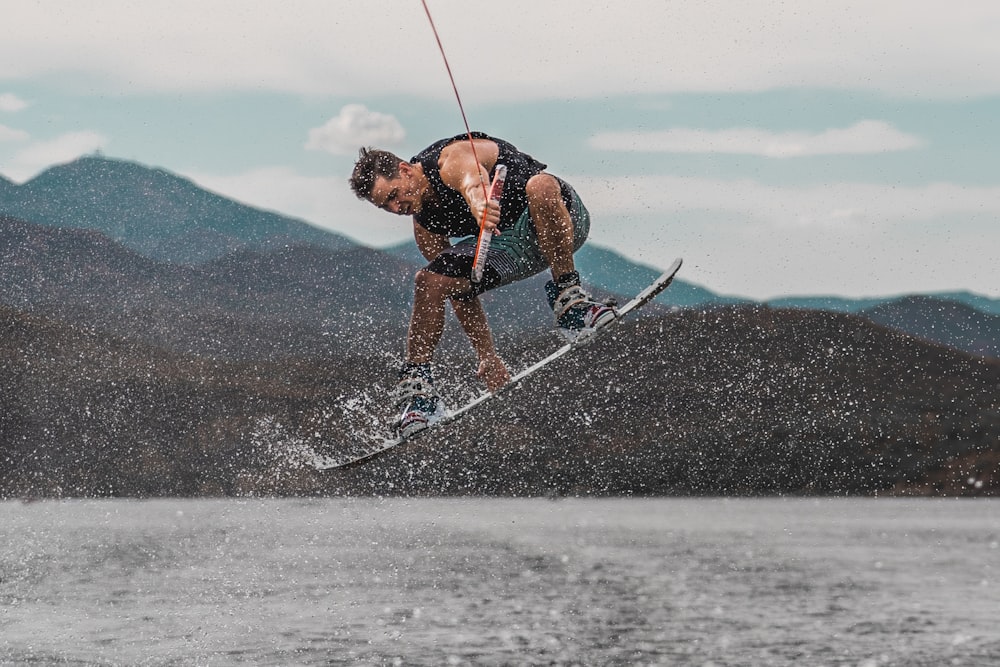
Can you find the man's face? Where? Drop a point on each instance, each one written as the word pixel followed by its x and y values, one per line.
pixel 399 195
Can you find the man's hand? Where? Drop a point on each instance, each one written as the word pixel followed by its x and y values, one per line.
pixel 492 216
pixel 493 371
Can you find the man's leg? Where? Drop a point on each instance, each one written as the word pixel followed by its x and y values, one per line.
pixel 576 312
pixel 415 392
pixel 553 224
pixel 431 291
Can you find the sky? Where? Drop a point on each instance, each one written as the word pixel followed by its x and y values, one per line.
pixel 818 147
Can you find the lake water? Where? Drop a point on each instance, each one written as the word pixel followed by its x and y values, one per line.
pixel 860 582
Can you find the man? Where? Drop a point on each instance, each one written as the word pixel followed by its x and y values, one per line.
pixel 539 223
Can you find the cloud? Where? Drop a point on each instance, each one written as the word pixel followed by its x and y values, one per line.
pixel 353 128
pixel 842 206
pixel 64 148
pixel 749 238
pixel 866 136
pixel 11 134
pixel 385 46
pixel 11 103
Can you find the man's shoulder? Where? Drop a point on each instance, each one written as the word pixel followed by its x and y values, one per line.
pixel 439 145
pixel 461 145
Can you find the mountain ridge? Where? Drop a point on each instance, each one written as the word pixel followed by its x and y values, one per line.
pixel 941 321
pixel 213 226
pixel 154 211
pixel 840 304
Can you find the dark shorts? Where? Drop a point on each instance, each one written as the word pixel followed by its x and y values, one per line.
pixel 514 253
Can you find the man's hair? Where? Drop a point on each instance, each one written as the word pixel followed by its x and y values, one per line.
pixel 371 164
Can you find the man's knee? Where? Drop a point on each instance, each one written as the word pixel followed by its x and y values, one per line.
pixel 543 189
pixel 548 210
pixel 427 280
pixel 438 285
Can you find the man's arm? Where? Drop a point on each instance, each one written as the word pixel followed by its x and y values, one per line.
pixel 460 170
pixel 471 316
pixel 429 244
pixel 492 370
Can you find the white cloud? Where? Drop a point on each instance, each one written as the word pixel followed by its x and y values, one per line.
pixel 11 134
pixel 11 103
pixel 377 47
pixel 746 238
pixel 40 155
pixel 833 204
pixel 866 136
pixel 353 128
pixel 321 200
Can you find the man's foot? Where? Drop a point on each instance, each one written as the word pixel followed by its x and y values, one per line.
pixel 577 314
pixel 420 402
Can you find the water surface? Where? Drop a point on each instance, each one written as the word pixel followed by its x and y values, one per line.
pixel 495 582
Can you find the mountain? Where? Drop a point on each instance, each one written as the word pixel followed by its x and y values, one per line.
pixel 614 273
pixel 960 320
pixel 295 301
pixel 981 303
pixel 158 214
pixel 300 300
pixel 833 304
pixel 941 321
pixel 840 304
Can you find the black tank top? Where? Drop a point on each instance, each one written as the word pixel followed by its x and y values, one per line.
pixel 448 214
